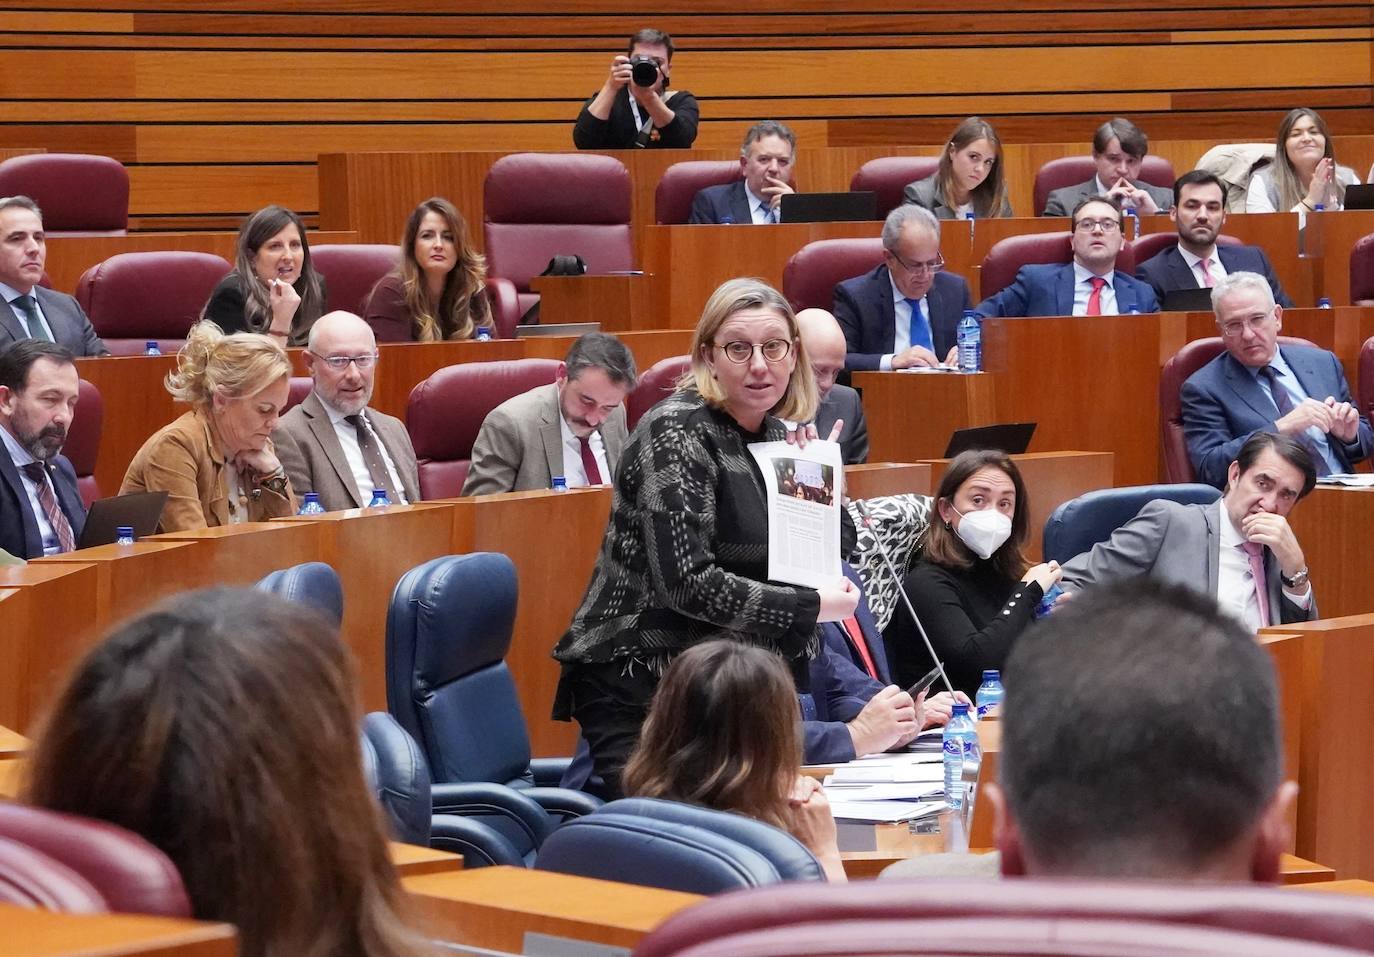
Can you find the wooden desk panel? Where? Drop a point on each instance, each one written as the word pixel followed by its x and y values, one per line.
pixel 130 578
pixel 411 860
pixel 1329 237
pixel 404 365
pixel 12 743
pixel 619 303
pixel 136 403
pixel 12 777
pixel 242 554
pixel 1333 526
pixel 1358 887
pixel 495 907
pixel 911 415
pixel 876 479
pixel 1286 652
pixel 41 933
pixel 47 621
pixel 648 347
pixel 553 538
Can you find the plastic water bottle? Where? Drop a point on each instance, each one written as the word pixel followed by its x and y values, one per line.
pixel 150 348
pixel 988 700
pixel 958 745
pixel 311 505
pixel 970 217
pixel 560 484
pixel 1134 217
pixel 379 499
pixel 124 535
pixel 970 339
pixel 1046 604
pixel 1323 303
pixel 484 333
pixel 1320 207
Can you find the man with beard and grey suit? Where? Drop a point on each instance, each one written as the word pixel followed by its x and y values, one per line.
pixel 34 312
pixel 574 427
pixel 1240 550
pixel 825 347
pixel 332 443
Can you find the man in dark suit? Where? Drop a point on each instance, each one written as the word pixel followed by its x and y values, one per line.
pixel 766 163
pixel 1197 261
pixel 332 443
pixel 1255 386
pixel 905 313
pixel 1088 286
pixel 1119 147
pixel 624 114
pixel 825 348
pixel 32 311
pixel 40 508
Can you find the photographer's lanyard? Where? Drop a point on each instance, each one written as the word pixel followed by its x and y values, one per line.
pixel 645 125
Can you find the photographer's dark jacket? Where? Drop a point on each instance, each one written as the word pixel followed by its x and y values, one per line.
pixel 620 130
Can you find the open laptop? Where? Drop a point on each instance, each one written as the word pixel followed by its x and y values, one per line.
pixel 556 329
pixel 1359 196
pixel 829 207
pixel 1012 438
pixel 1197 299
pixel 141 511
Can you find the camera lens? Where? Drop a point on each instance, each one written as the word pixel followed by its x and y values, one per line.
pixel 644 71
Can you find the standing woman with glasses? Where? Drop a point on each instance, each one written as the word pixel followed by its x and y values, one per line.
pixel 685 557
pixel 969 179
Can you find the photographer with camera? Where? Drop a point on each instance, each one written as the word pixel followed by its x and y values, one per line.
pixel 632 109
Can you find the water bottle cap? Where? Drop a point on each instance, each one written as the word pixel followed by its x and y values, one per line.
pixel 125 531
pixel 960 708
pixel 1319 207
pixel 312 496
pixel 970 314
pixel 559 480
pixel 151 344
pixel 992 674
pixel 378 491
pixel 1323 301
pixel 969 214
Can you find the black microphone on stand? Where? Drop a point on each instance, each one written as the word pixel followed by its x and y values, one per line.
pixel 901 590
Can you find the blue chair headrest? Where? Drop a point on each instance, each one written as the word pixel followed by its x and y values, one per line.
pixel 313 583
pixel 1080 523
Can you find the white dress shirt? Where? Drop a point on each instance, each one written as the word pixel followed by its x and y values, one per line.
pixel 573 472
pixel 1289 381
pixel 362 478
pixel 1214 268
pixel 1236 586
pixel 1082 289
pixel 901 340
pixel 20 457
pixel 11 294
pixel 760 209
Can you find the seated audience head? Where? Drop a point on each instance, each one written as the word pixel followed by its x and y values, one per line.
pixel 239 382
pixel 342 358
pixel 1272 473
pixel 272 246
pixel 971 169
pixel 658 46
pixel 987 484
pixel 748 358
pixel 23 250
pixel 723 732
pixel 1303 141
pixel 825 347
pixel 443 274
pixel 1248 318
pixel 1097 236
pixel 39 388
pixel 1140 739
pixel 1119 147
pixel 767 156
pixel 911 249
pixel 1199 210
pixel 222 726
pixel 593 380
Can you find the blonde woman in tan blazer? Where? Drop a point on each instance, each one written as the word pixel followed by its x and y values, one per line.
pixel 216 462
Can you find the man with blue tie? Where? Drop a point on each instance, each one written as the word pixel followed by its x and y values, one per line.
pixel 1090 285
pixel 32 312
pixel 904 313
pixel 1256 386
pixel 766 161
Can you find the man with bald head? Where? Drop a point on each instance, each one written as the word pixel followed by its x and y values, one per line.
pixel 825 346
pixel 332 443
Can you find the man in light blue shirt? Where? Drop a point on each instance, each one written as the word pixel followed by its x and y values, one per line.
pixel 766 158
pixel 30 311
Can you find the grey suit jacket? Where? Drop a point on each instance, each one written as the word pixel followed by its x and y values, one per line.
pixel 68 322
pixel 1062 201
pixel 923 193
pixel 309 450
pixel 520 444
pixel 1176 544
pixel 843 403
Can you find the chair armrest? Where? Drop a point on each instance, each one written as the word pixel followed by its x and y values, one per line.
pixel 505 305
pixel 562 803
pixel 480 845
pixel 548 772
pixel 518 818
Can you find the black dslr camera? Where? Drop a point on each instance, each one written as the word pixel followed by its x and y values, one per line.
pixel 644 71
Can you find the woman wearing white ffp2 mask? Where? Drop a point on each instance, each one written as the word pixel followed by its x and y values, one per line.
pixel 973 589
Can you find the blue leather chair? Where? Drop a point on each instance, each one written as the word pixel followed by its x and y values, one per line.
pixel 676 846
pixel 486 823
pixel 447 634
pixel 314 583
pixel 1080 523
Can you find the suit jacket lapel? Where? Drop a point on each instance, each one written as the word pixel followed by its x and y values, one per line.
pixel 551 432
pixel 739 204
pixel 318 419
pixel 33 544
pixel 1211 520
pixel 1063 291
pixel 1308 376
pixel 1243 384
pixel 1125 294
pixel 394 448
pixel 1179 276
pixel 887 308
pixel 9 322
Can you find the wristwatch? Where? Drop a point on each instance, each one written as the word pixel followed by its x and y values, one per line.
pixel 1297 581
pixel 276 482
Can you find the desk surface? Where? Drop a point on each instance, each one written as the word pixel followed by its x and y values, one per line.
pixel 40 933
pixel 12 743
pixel 412 860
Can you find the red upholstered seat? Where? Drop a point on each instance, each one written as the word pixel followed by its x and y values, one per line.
pixel 1182 364
pixel 1072 170
pixel 350 270
pixel 133 298
pixel 77 192
pixel 657 382
pixel 130 874
pixel 682 181
pixel 1362 272
pixel 82 448
pixel 1365 386
pixel 446 411
pixel 1152 244
pixel 32 879
pixel 297 389
pixel 810 277
pixel 889 175
pixel 1009 255
pixel 541 205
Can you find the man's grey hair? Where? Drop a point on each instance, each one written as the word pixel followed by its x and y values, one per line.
pixel 20 202
pixel 768 128
pixel 897 220
pixel 601 350
pixel 1241 282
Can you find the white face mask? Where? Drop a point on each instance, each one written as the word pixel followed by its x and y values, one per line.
pixel 983 531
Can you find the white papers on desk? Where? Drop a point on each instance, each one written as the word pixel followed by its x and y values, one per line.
pixel 908 773
pixel 906 791
pixel 1348 479
pixel 883 812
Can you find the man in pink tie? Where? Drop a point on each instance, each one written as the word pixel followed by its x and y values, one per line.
pixel 573 428
pixel 1197 261
pixel 1240 550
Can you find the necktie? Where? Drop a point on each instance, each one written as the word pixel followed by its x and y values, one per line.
pixel 856 638
pixel 1284 403
pixel 1207 281
pixel 770 215
pixel 1095 297
pixel 47 500
pixel 920 326
pixel 30 307
pixel 589 460
pixel 372 457
pixel 1255 552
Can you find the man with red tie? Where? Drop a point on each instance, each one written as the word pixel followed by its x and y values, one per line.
pixel 574 428
pixel 1090 285
pixel 40 508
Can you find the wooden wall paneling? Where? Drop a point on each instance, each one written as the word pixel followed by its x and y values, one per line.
pixel 647 347
pixel 129 578
pixel 243 554
pixel 1332 525
pixel 1331 236
pixel 404 365
pixel 137 404
pixel 911 416
pixel 1286 652
pixel 204 189
pixel 875 479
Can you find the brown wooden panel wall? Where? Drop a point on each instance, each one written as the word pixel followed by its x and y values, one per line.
pixel 219 107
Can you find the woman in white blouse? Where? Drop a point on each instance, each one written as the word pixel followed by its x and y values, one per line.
pixel 1304 174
